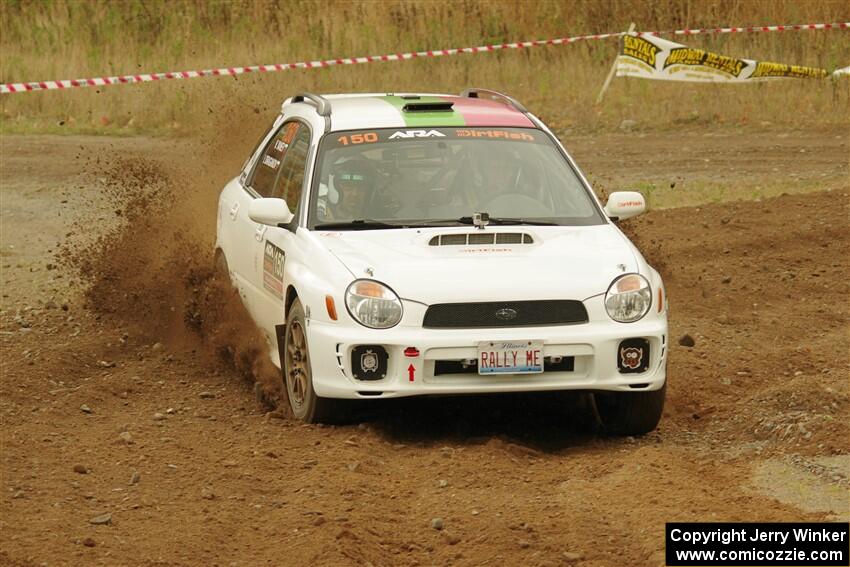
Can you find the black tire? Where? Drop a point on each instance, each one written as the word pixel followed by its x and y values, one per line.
pixel 630 413
pixel 298 376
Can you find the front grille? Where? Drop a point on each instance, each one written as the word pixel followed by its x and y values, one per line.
pixel 505 314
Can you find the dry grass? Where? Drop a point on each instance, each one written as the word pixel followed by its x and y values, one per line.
pixel 42 40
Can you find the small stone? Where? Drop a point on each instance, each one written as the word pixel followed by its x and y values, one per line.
pixel 229 463
pixel 101 520
pixel 158 416
pixel 687 341
pixel 85 409
pixel 524 544
pixel 451 539
pixel 126 437
pixel 89 542
pixel 628 125
pixel 354 467
pixel 726 381
pixel 207 494
pixel 18 494
pixel 798 373
pixel 437 523
pixel 442 483
pixel 135 478
pixel 169 411
pixel 571 556
pixel 727 279
pixel 81 469
pixel 319 521
pixel 156 347
pixel 206 395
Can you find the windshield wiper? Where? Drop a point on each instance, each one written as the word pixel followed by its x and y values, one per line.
pixel 439 222
pixel 357 224
pixel 509 220
pixel 371 224
pixel 492 220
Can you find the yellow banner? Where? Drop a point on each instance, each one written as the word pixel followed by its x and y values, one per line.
pixel 651 57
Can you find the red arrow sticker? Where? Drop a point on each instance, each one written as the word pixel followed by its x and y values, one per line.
pixel 411 370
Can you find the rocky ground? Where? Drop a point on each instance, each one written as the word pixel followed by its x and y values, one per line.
pixel 131 434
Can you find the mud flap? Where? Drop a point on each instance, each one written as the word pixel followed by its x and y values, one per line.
pixel 280 335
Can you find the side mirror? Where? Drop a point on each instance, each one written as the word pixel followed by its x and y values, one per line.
pixel 272 212
pixel 625 204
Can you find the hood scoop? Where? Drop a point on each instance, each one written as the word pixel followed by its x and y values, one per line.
pixel 481 239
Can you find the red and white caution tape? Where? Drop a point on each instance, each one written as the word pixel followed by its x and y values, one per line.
pixel 793 27
pixel 233 71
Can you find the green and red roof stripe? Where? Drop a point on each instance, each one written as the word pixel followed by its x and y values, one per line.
pixel 465 112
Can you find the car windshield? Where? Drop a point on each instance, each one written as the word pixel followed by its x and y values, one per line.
pixel 387 177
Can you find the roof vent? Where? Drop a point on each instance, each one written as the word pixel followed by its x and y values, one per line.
pixel 428 107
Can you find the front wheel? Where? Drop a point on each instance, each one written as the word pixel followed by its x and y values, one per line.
pixel 630 413
pixel 305 404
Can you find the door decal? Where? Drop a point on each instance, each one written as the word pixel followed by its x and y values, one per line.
pixel 273 258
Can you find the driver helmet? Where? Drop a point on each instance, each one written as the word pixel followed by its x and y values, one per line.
pixel 354 175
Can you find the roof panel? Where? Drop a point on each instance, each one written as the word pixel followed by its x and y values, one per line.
pixel 354 112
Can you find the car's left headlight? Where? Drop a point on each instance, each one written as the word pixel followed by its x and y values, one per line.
pixel 628 298
pixel 372 304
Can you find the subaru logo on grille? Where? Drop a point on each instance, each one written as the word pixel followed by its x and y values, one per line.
pixel 506 314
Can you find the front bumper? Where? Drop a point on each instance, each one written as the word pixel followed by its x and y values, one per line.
pixel 594 347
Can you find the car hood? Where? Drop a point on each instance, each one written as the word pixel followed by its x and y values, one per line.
pixel 560 263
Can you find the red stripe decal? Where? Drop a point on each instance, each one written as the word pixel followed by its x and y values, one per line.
pixel 484 112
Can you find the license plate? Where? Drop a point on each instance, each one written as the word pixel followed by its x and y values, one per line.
pixel 518 357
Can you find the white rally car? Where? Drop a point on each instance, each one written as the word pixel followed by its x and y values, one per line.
pixel 400 245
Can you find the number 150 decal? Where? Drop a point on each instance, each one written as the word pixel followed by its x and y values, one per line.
pixel 273 260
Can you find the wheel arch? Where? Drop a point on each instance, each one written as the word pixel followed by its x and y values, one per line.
pixel 291 296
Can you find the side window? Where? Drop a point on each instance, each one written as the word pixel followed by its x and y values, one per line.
pixel 269 165
pixel 291 180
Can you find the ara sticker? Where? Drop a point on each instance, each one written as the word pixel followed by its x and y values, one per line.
pixel 273 259
pixel 417 134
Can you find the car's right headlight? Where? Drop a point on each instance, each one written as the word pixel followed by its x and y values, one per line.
pixel 372 304
pixel 628 298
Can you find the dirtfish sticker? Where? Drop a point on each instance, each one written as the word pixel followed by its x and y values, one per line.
pixel 273 260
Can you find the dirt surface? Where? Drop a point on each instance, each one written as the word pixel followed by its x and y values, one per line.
pixel 131 433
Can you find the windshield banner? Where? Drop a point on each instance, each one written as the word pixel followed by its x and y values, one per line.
pixel 650 57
